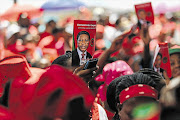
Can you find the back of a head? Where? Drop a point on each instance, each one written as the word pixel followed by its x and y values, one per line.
pixel 60 94
pixel 158 79
pixel 110 94
pixel 64 60
pixel 57 30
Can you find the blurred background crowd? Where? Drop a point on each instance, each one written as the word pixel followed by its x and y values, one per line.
pixel 43 34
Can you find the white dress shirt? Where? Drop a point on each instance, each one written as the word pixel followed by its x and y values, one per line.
pixel 82 60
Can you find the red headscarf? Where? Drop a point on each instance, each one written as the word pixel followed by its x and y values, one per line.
pixel 5 114
pixel 60 82
pixel 133 46
pixel 13 67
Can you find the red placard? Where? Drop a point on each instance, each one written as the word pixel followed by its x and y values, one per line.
pixel 162 55
pixel 87 28
pixel 145 10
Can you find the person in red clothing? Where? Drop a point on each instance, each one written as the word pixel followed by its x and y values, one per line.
pixel 52 46
pixel 49 28
pixel 13 43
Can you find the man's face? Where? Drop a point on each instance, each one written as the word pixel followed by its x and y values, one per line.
pixel 175 65
pixel 142 15
pixel 83 42
pixel 157 61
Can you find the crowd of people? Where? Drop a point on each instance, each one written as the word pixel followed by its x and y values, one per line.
pixel 38 81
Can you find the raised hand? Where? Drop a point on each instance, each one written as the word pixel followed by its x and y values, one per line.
pixel 144 34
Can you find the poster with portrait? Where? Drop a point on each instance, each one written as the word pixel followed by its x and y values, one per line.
pixel 84 35
pixel 144 14
pixel 161 61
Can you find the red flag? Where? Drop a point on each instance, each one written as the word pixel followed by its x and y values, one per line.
pixel 165 64
pixel 147 8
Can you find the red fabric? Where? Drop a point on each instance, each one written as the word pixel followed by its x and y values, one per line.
pixel 165 63
pixel 5 114
pixel 44 34
pixel 55 78
pixel 100 78
pixel 22 93
pixel 95 112
pixel 97 53
pixel 13 67
pixel 133 46
pixel 110 72
pixel 137 90
pixel 110 114
pixel 115 69
pixel 16 48
pixel 13 12
pixel 102 92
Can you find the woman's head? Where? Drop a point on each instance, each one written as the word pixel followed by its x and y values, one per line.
pixel 131 91
pixel 174 53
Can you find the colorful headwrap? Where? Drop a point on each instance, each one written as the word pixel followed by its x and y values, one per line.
pixel 116 69
pixel 136 91
pixel 110 72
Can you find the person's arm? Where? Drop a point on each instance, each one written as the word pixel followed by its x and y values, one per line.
pixel 144 34
pixel 86 74
pixel 115 46
pixel 167 80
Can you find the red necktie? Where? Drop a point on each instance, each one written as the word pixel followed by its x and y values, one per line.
pixel 82 55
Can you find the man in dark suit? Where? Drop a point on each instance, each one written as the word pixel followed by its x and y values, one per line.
pixel 142 18
pixel 80 55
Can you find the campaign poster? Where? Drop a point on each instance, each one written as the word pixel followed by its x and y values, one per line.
pixel 84 36
pixel 161 60
pixel 145 13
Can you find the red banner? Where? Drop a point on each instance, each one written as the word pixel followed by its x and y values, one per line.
pixel 145 11
pixel 162 58
pixel 90 27
pixel 83 41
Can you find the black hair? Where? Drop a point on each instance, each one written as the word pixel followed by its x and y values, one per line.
pixel 57 30
pixel 170 113
pixel 158 79
pixel 63 59
pixel 110 94
pixel 77 110
pixel 129 80
pixel 83 32
pixel 5 97
pixel 141 10
pixel 51 21
pixel 131 36
pixel 151 73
